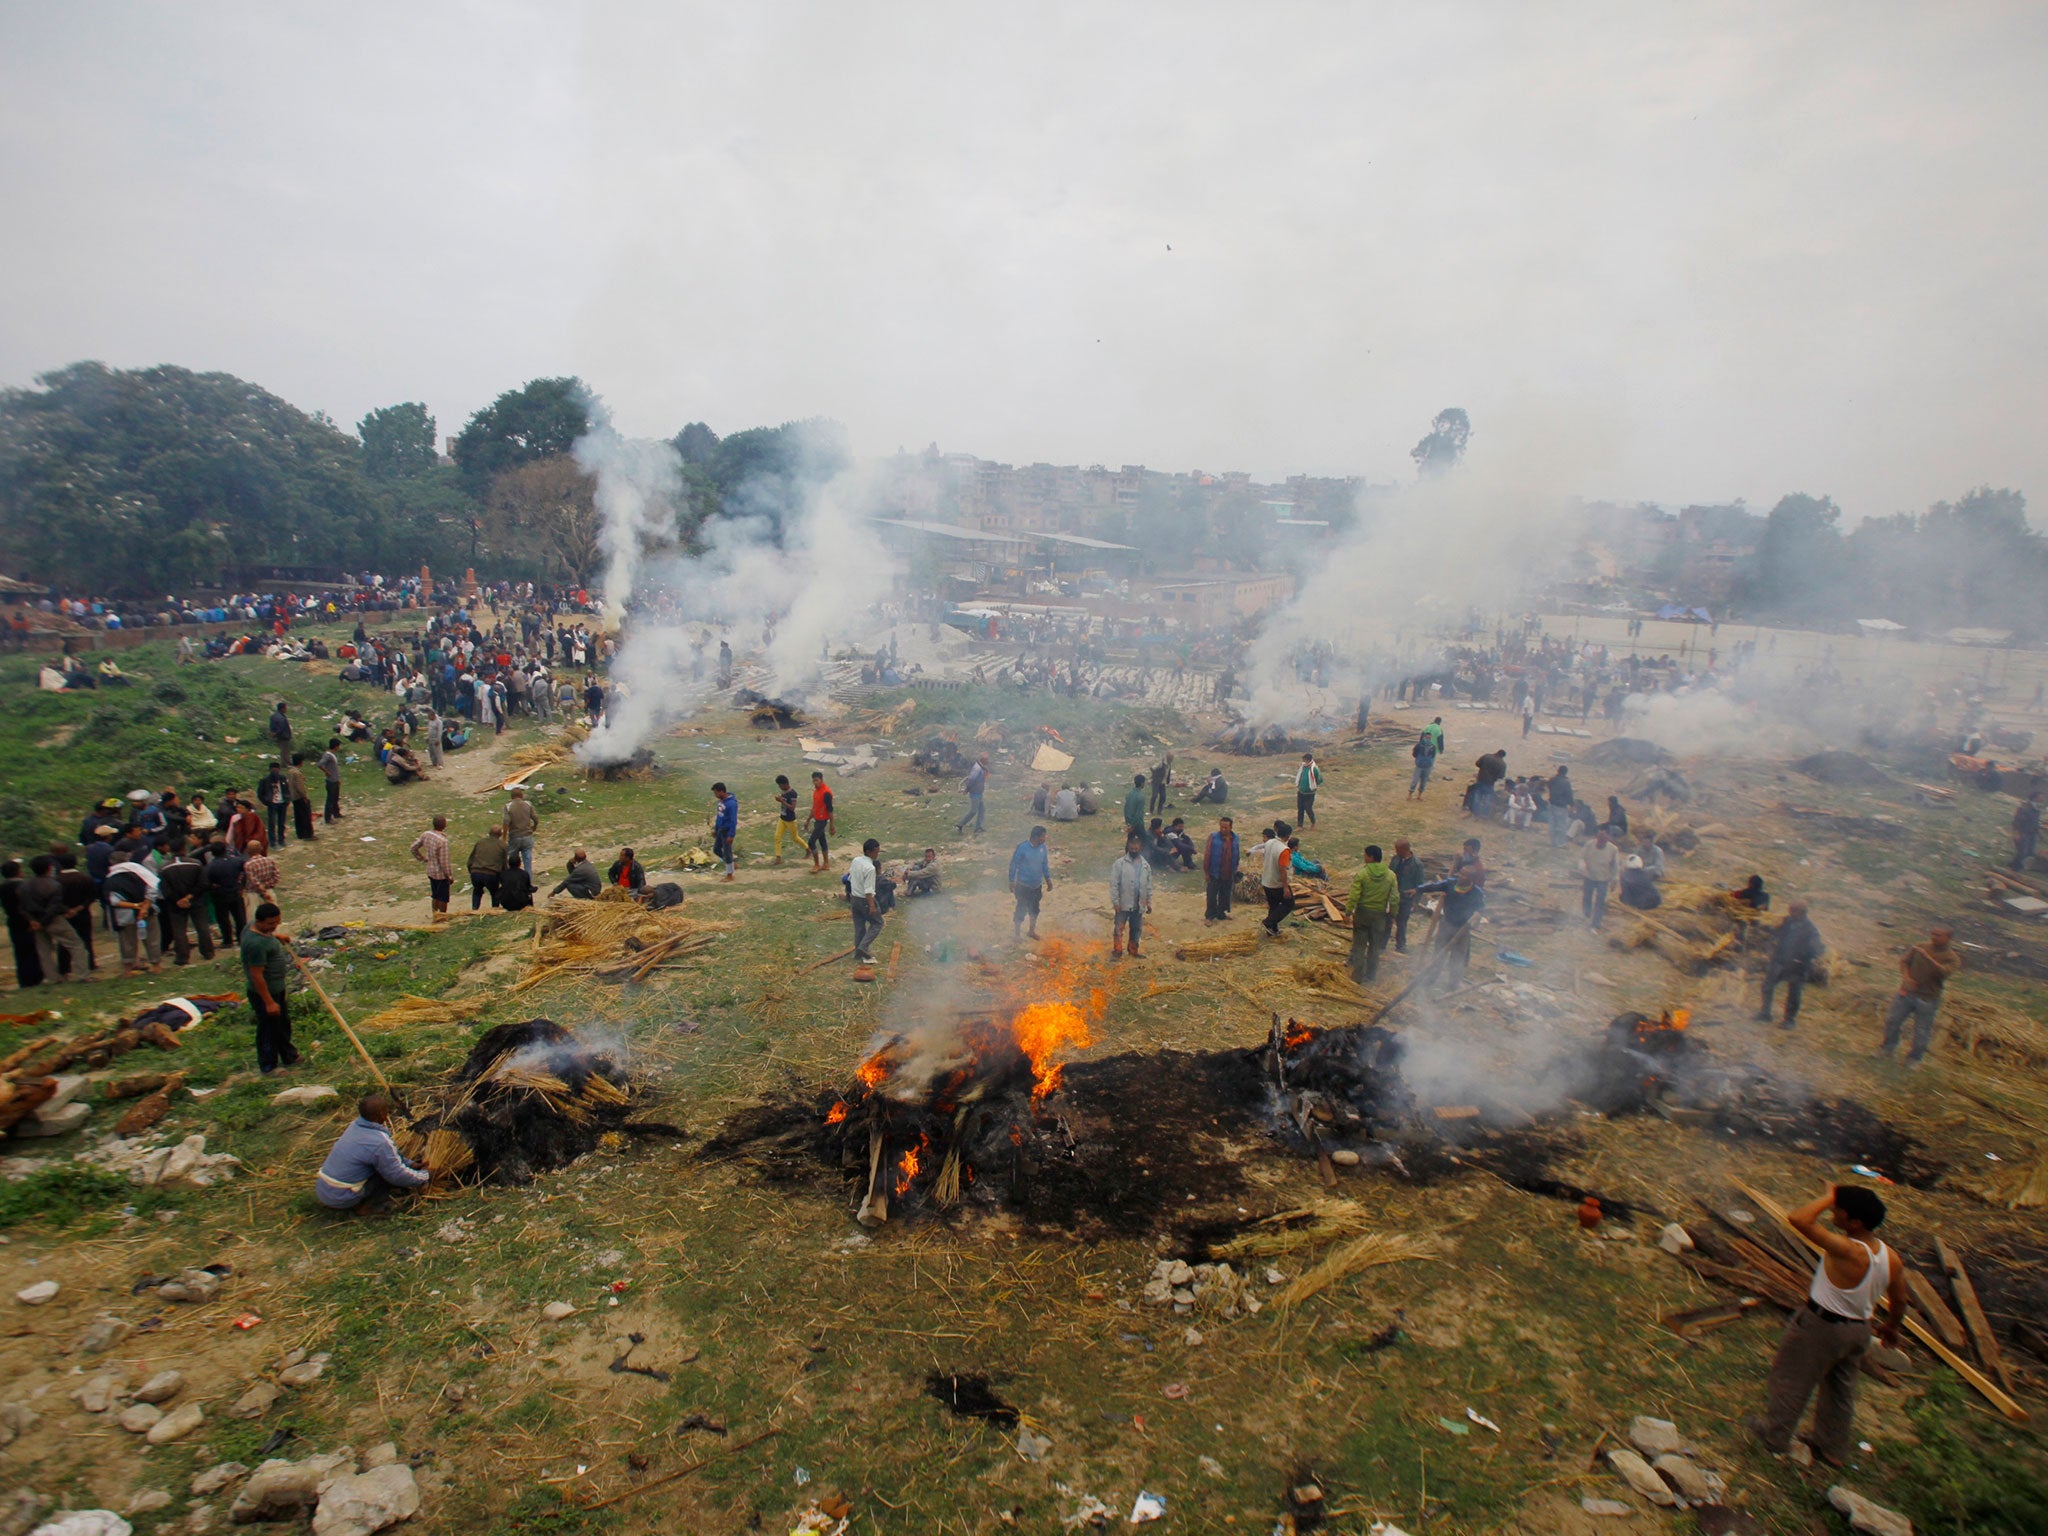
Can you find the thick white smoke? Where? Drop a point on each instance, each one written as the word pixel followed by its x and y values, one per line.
pixel 1484 536
pixel 788 576
pixel 639 490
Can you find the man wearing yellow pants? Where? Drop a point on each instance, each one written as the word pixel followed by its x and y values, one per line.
pixel 785 816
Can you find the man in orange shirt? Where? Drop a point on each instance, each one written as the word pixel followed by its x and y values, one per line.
pixel 819 840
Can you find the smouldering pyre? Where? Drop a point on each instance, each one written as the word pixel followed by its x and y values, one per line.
pixel 935 1105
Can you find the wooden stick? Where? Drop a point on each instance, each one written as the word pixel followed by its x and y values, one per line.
pixel 1934 1309
pixel 1428 971
pixel 895 953
pixel 1998 1399
pixel 1973 1314
pixel 695 1466
pixel 815 965
pixel 314 982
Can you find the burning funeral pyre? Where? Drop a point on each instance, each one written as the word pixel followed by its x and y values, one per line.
pixel 1245 739
pixel 528 1098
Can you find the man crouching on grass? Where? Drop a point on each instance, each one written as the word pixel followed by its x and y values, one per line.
pixel 1824 1343
pixel 364 1166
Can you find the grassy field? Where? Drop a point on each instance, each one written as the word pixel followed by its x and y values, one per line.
pixel 770 1310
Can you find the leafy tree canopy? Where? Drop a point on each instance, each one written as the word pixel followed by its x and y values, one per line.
pixel 398 441
pixel 1440 452
pixel 538 420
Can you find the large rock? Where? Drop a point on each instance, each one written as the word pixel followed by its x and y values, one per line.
pixel 102 1391
pixel 186 1156
pixel 382 1454
pixel 140 1418
pixel 257 1401
pixel 176 1424
pixel 224 1475
pixel 42 1292
pixel 18 1511
pixel 85 1522
pixel 357 1504
pixel 284 1490
pixel 191 1285
pixel 1871 1519
pixel 16 1420
pixel 69 1086
pixel 304 1374
pixel 1691 1483
pixel 1654 1437
pixel 1636 1473
pixel 305 1093
pixel 161 1387
pixel 148 1501
pixel 45 1122
pixel 106 1331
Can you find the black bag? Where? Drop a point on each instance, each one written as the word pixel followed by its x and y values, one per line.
pixel 665 895
pixel 515 889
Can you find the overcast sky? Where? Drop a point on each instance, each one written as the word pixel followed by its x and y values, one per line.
pixel 1707 251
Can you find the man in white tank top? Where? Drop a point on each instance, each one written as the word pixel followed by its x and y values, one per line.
pixel 1825 1341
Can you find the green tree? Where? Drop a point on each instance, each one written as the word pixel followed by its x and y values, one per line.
pixel 1798 566
pixel 1439 453
pixel 539 420
pixel 696 443
pixel 398 441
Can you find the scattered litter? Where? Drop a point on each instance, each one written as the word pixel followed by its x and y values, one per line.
pixel 1032 1447
pixel 802 1476
pixel 1146 1507
pixel 1090 1511
pixel 1174 1389
pixel 247 1321
pixel 1209 1465
pixel 1481 1420
pixel 366 839
pixel 1454 1426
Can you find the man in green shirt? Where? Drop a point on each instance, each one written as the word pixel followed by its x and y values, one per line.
pixel 1134 810
pixel 1306 782
pixel 1375 896
pixel 264 965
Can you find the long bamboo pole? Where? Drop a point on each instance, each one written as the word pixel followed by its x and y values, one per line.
pixel 314 982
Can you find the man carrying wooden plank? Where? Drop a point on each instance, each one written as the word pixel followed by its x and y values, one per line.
pixel 1824 1343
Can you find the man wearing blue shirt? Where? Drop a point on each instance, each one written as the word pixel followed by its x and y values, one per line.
pixel 1030 879
pixel 365 1162
pixel 725 826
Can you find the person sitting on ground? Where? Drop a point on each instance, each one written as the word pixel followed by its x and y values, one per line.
pixel 1066 805
pixel 1753 895
pixel 401 767
pixel 1180 846
pixel 1041 800
pixel 1214 790
pixel 580 880
pixel 626 873
pixel 922 878
pixel 1617 819
pixel 354 726
pixel 1521 812
pixel 1638 889
pixel 1651 855
pixel 364 1167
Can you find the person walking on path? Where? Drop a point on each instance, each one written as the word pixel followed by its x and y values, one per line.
pixel 522 822
pixel 1923 971
pixel 1824 1343
pixel 785 816
pixel 1599 867
pixel 976 785
pixel 2026 830
pixel 1134 807
pixel 1307 780
pixel 863 897
pixel 1276 878
pixel 431 849
pixel 1797 950
pixel 1424 753
pixel 1030 879
pixel 1409 876
pixel 725 828
pixel 330 770
pixel 486 866
pixel 264 964
pixel 1130 895
pixel 1375 897
pixel 818 840
pixel 1220 859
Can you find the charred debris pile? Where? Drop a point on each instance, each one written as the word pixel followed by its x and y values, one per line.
pixel 978 1111
pixel 529 1097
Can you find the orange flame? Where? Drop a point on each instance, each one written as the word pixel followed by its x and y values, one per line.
pixel 1680 1017
pixel 1297 1036
pixel 907 1169
pixel 1041 1030
pixel 874 1070
pixel 836 1113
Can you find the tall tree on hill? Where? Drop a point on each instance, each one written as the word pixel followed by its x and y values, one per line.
pixel 538 420
pixel 541 520
pixel 398 442
pixel 1798 565
pixel 148 480
pixel 1439 453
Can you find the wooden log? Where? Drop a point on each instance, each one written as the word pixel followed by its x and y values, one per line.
pixel 1973 1314
pixel 1934 1309
pixel 21 1053
pixel 820 964
pixel 1991 1391
pixel 1745 1281
pixel 1697 1320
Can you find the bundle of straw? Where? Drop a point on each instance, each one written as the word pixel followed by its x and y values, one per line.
pixel 1359 1254
pixel 1224 947
pixel 1287 1231
pixel 414 1010
pixel 447 1154
pixel 1988 1029
pixel 526 1077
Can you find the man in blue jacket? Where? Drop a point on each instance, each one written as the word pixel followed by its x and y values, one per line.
pixel 725 827
pixel 1030 879
pixel 365 1164
pixel 1219 870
